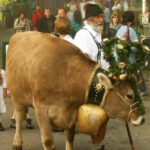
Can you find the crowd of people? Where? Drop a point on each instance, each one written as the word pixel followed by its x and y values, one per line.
pixel 86 32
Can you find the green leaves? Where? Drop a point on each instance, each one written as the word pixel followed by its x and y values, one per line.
pixel 133 55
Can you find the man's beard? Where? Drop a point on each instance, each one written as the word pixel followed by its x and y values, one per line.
pixel 97 28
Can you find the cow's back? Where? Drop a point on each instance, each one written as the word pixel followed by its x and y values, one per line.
pixel 43 66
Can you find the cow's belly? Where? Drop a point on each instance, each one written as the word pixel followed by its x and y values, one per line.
pixel 62 118
pixel 26 101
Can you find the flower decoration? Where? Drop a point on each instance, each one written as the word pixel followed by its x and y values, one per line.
pixel 105 39
pixel 120 46
pixel 146 48
pixel 123 76
pixel 125 58
pixel 121 65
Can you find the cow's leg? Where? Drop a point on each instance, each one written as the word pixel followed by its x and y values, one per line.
pixel 41 112
pixel 20 115
pixel 69 134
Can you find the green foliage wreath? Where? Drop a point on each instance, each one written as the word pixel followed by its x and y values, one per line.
pixel 125 59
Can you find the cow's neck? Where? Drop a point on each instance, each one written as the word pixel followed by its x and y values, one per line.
pixel 96 96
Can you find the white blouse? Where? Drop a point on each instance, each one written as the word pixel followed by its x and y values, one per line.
pixel 2 103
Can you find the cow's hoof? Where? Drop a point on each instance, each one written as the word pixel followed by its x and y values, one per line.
pixel 18 147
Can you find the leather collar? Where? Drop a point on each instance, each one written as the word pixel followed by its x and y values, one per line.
pixel 96 96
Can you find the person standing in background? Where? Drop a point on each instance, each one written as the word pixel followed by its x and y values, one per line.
pixel 21 23
pixel 3 94
pixel 37 15
pixel 114 25
pixel 46 23
pixel 62 13
pixel 63 29
pixel 126 30
pixel 89 38
pixel 77 24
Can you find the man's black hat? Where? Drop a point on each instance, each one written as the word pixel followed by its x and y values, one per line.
pixel 92 10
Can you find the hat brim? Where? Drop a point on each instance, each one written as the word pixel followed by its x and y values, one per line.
pixel 92 14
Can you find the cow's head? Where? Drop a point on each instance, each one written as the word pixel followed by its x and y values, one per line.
pixel 119 100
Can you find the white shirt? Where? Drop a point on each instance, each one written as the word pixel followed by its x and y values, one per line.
pixel 123 29
pixel 2 103
pixel 86 43
pixel 4 85
pixel 69 39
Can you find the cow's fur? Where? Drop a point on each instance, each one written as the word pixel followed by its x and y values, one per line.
pixel 54 76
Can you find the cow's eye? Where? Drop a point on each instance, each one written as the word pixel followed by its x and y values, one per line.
pixel 130 96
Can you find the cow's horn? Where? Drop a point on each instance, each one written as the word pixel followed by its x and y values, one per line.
pixel 104 80
pixel 123 76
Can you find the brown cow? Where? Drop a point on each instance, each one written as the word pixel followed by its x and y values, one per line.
pixel 54 77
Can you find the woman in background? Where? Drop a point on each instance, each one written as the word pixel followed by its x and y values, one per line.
pixel 114 25
pixel 126 31
pixel 21 23
pixel 63 29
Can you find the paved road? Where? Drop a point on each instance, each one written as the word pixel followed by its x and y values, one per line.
pixel 116 138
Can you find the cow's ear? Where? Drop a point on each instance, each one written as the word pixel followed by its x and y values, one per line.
pixel 105 81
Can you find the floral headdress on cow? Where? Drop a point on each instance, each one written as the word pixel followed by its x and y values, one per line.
pixel 118 53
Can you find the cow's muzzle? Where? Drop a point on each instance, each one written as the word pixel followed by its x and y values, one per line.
pixel 139 121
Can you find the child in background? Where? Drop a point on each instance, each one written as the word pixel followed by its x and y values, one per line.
pixel 3 94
